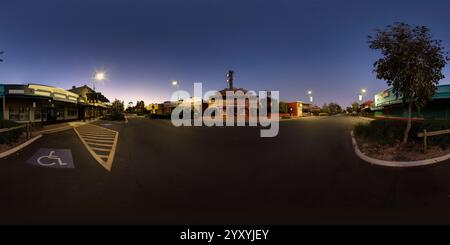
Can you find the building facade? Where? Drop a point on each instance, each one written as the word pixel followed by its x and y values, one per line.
pixel 152 108
pixel 42 104
pixel 91 104
pixel 387 104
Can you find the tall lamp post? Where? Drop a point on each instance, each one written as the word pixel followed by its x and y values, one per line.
pixel 310 100
pixel 98 77
pixel 363 92
pixel 176 84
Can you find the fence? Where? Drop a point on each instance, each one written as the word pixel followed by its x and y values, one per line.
pixel 426 134
pixel 27 127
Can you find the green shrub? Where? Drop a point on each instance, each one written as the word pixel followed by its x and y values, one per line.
pixel 386 131
pixel 362 130
pixel 283 107
pixel 11 136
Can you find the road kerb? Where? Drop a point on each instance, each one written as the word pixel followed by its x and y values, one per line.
pixel 19 147
pixel 403 164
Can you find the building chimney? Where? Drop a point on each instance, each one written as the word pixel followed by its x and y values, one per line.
pixel 230 78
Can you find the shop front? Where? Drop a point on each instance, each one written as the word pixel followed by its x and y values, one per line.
pixel 38 104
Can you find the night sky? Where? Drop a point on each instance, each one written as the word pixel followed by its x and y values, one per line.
pixel 290 46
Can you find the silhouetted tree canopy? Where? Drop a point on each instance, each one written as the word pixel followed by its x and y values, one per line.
pixel 412 63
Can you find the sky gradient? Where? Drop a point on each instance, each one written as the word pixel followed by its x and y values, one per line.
pixel 290 46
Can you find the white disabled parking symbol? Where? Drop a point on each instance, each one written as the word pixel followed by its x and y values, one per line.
pixel 52 158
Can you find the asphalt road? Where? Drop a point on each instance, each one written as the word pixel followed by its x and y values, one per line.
pixel 199 175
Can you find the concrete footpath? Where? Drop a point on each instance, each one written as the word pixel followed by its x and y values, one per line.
pixel 55 128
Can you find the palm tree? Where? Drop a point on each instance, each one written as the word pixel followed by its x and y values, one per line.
pixel 1 52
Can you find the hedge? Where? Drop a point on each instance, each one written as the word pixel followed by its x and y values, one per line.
pixel 386 131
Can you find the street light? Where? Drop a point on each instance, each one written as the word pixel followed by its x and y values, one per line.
pixel 363 92
pixel 98 76
pixel 310 100
pixel 176 84
pixel 310 96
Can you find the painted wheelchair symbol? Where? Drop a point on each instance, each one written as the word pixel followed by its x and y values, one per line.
pixel 52 160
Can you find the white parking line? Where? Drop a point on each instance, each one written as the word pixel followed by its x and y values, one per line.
pixel 98 139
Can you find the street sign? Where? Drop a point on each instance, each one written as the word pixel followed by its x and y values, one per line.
pixel 52 158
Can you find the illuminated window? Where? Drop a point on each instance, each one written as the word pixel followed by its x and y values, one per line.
pixel 19 113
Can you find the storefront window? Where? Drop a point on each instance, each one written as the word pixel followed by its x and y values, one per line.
pixel 37 115
pixel 19 113
pixel 60 114
pixel 72 112
pixel 40 114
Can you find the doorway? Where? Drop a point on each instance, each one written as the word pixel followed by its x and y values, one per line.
pixel 51 115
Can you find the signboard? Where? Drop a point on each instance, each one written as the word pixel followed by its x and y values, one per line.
pixel 52 158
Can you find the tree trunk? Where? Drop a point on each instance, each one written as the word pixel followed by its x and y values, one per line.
pixel 408 124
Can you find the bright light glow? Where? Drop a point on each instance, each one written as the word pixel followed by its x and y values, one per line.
pixel 310 92
pixel 360 97
pixel 99 76
pixel 174 83
pixel 363 91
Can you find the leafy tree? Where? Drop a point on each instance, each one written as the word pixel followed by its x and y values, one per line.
pixel 349 109
pixel 412 64
pixel 325 108
pixel 334 108
pixel 355 107
pixel 140 107
pixel 283 107
pixel 117 106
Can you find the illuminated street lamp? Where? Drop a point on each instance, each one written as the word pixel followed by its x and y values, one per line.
pixel 310 96
pixel 310 100
pixel 98 77
pixel 176 84
pixel 363 92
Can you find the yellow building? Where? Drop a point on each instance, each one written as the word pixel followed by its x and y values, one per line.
pixel 152 108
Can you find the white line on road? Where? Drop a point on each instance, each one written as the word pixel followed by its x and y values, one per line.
pixel 95 138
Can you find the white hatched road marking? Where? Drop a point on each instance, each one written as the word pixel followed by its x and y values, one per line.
pixel 100 142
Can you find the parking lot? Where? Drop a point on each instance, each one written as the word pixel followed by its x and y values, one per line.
pixel 162 174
